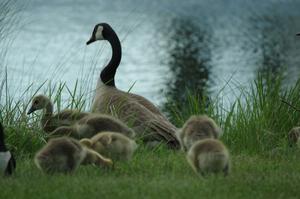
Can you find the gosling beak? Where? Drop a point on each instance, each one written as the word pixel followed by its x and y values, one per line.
pixel 90 41
pixel 31 110
pixel 298 34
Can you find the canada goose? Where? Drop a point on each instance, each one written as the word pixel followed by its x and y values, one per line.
pixel 209 156
pixel 7 160
pixel 51 121
pixel 294 137
pixel 197 128
pixel 112 145
pixel 64 155
pixel 92 124
pixel 145 118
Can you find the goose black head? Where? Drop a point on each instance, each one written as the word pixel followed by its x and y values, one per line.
pixel 38 102
pixel 102 31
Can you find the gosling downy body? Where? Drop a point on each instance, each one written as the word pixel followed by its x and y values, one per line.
pixel 113 145
pixel 197 128
pixel 92 124
pixel 294 137
pixel 147 121
pixel 7 160
pixel 64 155
pixel 52 121
pixel 209 156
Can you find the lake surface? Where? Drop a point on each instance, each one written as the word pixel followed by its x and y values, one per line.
pixel 167 45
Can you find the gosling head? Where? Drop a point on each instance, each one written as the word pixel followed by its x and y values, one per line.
pixel 102 31
pixel 201 127
pixel 98 144
pixel 38 102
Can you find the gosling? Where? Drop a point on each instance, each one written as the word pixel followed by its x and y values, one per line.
pixel 113 145
pixel 294 137
pixel 51 121
pixel 209 156
pixel 74 123
pixel 64 155
pixel 197 128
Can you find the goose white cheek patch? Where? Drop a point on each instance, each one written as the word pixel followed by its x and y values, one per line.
pixel 99 35
pixel 4 159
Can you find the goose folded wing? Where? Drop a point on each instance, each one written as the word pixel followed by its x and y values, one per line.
pixel 137 116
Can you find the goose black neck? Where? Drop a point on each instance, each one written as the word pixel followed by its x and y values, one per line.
pixel 2 143
pixel 108 73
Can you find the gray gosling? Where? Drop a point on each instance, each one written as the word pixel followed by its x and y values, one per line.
pixel 75 123
pixel 64 155
pixel 113 145
pixel 209 156
pixel 92 124
pixel 197 128
pixel 52 121
pixel 294 137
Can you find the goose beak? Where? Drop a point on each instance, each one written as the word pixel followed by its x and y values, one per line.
pixel 90 41
pixel 31 110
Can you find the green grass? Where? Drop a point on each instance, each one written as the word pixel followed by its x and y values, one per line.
pixel 161 174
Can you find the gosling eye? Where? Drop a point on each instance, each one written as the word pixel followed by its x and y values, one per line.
pixel 36 102
pixel 201 136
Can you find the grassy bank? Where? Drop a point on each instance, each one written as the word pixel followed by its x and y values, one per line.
pixel 255 123
pixel 255 130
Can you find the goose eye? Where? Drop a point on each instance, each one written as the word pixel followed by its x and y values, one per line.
pixel 36 102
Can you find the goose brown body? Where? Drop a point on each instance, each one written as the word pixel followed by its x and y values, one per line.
pixel 145 118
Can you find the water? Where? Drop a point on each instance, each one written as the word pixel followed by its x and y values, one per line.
pixel 167 46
